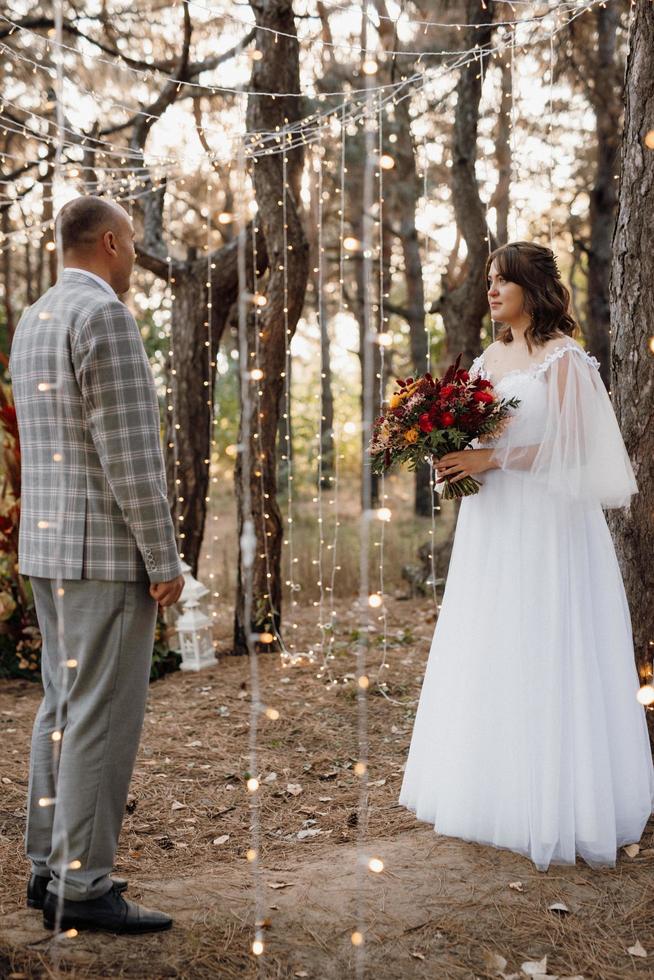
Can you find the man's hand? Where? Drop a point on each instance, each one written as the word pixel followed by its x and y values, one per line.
pixel 167 593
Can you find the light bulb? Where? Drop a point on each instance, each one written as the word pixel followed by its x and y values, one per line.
pixel 646 694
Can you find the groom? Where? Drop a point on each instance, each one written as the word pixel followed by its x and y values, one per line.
pixel 98 543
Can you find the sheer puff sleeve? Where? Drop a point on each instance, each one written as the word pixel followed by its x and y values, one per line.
pixel 575 448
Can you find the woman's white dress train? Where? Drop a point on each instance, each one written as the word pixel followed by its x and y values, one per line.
pixel 528 734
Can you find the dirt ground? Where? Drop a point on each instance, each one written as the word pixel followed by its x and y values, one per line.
pixel 441 908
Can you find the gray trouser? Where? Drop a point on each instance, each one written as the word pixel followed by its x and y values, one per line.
pixel 98 705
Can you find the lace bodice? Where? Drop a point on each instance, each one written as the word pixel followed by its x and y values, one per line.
pixel 536 370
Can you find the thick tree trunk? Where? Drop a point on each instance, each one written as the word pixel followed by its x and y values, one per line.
pixel 406 191
pixel 607 103
pixel 277 71
pixel 632 318
pixel 191 443
pixel 464 306
pixel 501 198
pixel 191 383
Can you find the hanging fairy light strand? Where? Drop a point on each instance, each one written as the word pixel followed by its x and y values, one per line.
pixel 352 95
pixel 366 601
pixel 50 224
pixel 287 454
pixel 257 374
pixel 383 338
pixel 434 507
pixel 66 665
pixel 248 545
pixel 172 400
pixel 318 39
pixel 335 435
pixel 320 434
pixel 210 386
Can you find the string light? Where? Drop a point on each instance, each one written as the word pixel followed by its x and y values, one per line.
pixel 247 549
pixel 367 385
pixel 287 456
pixel 172 399
pixel 382 344
pixel 335 436
pixel 211 396
pixel 320 435
pixel 395 88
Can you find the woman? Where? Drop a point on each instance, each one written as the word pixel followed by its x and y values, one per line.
pixel 528 734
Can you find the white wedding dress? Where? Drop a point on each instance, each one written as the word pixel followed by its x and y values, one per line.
pixel 528 734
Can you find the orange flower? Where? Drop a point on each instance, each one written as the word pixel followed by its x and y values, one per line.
pixel 411 436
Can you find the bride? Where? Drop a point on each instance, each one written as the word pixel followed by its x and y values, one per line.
pixel 528 734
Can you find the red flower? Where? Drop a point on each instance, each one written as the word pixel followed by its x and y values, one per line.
pixel 425 423
pixel 462 376
pixel 482 383
pixel 483 396
pixel 447 419
pixel 446 391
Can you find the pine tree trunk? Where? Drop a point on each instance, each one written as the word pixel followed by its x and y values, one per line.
pixel 277 71
pixel 632 318
pixel 501 198
pixel 606 98
pixel 464 306
pixel 192 387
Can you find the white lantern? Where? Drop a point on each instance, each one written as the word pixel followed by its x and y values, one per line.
pixel 194 632
pixel 193 590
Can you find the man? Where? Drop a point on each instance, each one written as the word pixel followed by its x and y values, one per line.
pixel 98 543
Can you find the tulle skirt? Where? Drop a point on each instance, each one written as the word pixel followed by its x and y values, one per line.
pixel 528 734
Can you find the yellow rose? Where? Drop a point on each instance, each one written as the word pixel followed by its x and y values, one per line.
pixel 7 606
pixel 411 436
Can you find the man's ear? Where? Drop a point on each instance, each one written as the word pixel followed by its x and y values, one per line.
pixel 109 242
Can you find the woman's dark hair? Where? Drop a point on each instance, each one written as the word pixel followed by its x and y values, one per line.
pixel 547 301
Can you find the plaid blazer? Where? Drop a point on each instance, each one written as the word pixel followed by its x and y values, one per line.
pixel 93 498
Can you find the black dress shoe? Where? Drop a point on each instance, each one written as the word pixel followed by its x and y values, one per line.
pixel 109 913
pixel 37 887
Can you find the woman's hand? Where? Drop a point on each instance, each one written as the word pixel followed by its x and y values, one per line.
pixel 466 462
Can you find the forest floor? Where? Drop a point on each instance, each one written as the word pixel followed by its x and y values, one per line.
pixel 441 908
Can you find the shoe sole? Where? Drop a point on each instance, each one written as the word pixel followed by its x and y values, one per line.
pixel 66 924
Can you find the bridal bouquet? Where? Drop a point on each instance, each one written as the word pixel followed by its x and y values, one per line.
pixel 429 418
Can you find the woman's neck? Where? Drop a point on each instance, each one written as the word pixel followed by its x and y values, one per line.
pixel 518 330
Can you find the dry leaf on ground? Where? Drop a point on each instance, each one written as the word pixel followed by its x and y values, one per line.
pixel 493 961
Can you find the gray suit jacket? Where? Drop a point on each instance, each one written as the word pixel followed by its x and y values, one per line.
pixel 93 498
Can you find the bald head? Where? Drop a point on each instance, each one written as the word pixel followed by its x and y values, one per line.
pixel 97 235
pixel 83 220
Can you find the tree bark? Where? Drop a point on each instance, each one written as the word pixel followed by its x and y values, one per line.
pixel 277 71
pixel 632 318
pixel 406 191
pixel 607 103
pixel 464 306
pixel 501 198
